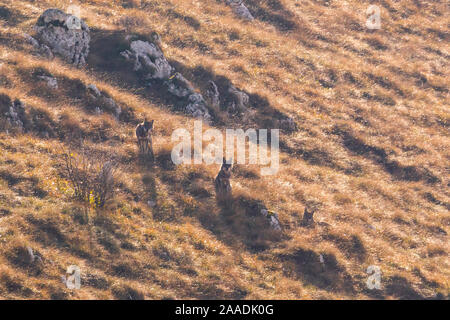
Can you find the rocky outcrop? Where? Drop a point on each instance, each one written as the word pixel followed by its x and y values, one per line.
pixel 13 113
pixel 240 9
pixel 150 63
pixel 179 86
pixel 64 35
pixel 149 60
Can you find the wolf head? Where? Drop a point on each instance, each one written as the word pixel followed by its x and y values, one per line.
pixel 148 125
pixel 227 165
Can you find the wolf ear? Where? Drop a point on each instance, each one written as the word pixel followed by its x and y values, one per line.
pixel 151 123
pixel 224 161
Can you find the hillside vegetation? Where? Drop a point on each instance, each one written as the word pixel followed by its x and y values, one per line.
pixel 370 151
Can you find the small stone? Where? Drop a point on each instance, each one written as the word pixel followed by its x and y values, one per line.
pixel 30 254
pixel 52 83
pixel 272 218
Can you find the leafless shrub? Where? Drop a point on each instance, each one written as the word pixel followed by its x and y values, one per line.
pixel 91 177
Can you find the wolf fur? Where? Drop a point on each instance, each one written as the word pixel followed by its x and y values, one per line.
pixel 222 182
pixel 144 138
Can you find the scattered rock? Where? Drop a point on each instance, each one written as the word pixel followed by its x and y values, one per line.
pixel 273 219
pixel 288 124
pixel 52 83
pixel 102 101
pixel 321 259
pixel 197 107
pixel 239 100
pixel 31 255
pixel 65 35
pixel 13 112
pixel 93 90
pixel 26 257
pixel 240 9
pixel 212 94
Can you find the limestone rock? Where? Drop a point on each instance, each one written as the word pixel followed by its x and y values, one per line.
pixel 150 63
pixel 65 35
pixel 240 9
pixel 149 60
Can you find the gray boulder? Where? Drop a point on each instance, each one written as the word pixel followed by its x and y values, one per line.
pixel 148 59
pixel 65 35
pixel 240 9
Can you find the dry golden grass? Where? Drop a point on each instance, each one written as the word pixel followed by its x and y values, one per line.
pixel 372 148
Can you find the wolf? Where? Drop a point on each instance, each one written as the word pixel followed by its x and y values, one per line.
pixel 144 138
pixel 308 216
pixel 222 182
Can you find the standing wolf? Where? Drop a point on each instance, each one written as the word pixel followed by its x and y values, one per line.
pixel 144 138
pixel 222 183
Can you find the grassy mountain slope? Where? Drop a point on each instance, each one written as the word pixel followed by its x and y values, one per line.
pixel 372 149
